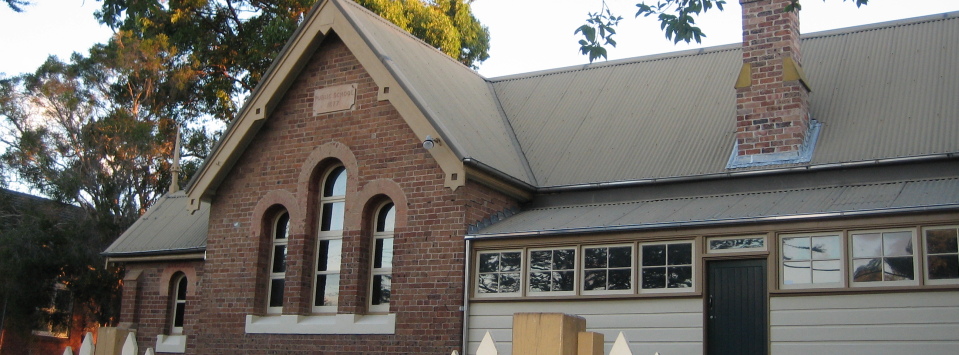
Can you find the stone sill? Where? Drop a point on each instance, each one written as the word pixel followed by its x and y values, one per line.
pixel 171 344
pixel 331 324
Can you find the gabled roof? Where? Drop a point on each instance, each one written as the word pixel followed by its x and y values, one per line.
pixel 166 228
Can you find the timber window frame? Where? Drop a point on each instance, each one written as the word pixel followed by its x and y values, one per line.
pixel 941 255
pixel 493 266
pixel 381 268
pixel 603 268
pixel 279 236
pixel 824 252
pixel 891 249
pixel 552 271
pixel 673 264
pixel 329 240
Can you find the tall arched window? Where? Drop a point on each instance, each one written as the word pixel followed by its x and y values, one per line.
pixel 280 237
pixel 178 303
pixel 382 270
pixel 330 240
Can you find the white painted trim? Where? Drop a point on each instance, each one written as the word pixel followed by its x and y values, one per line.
pixel 333 324
pixel 171 343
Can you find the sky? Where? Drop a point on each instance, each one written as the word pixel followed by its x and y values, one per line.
pixel 526 35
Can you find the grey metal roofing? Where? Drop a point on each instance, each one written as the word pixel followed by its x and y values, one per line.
pixel 460 103
pixel 881 91
pixel 786 204
pixel 166 228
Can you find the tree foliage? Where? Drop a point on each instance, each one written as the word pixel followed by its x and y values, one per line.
pixel 232 42
pixel 16 5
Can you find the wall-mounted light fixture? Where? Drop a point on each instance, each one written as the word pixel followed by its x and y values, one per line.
pixel 430 142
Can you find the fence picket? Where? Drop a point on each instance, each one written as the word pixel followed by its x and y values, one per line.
pixel 621 346
pixel 487 346
pixel 86 347
pixel 130 345
pixel 68 351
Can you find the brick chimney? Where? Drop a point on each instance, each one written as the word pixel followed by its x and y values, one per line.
pixel 772 95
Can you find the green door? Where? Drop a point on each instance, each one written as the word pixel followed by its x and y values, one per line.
pixel 736 313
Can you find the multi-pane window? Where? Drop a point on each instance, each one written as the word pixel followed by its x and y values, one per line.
pixel 666 267
pixel 500 272
pixel 57 315
pixel 329 249
pixel 178 304
pixel 280 238
pixel 552 270
pixel 382 271
pixel 942 255
pixel 608 268
pixel 883 257
pixel 812 261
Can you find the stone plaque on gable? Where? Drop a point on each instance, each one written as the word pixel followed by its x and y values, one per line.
pixel 334 98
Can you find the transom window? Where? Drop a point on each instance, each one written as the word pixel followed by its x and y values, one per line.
pixel 382 271
pixel 178 310
pixel 552 270
pixel 280 238
pixel 329 249
pixel 942 255
pixel 812 261
pixel 666 266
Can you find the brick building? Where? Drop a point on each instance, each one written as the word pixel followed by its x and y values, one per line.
pixel 375 196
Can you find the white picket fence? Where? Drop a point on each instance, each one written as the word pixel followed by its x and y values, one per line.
pixel 87 347
pixel 488 346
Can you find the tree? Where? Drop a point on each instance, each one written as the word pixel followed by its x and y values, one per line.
pixel 233 42
pixel 677 19
pixel 16 5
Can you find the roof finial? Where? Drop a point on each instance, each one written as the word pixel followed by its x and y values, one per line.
pixel 175 170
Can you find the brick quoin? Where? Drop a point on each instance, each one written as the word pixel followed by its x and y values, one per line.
pixel 428 275
pixel 772 115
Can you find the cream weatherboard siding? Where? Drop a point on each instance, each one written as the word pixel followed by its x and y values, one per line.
pixel 887 323
pixel 666 325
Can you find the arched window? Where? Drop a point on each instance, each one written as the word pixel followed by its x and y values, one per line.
pixel 178 303
pixel 382 270
pixel 280 238
pixel 330 240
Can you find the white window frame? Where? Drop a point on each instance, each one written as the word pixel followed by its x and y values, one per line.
pixel 331 236
pixel 275 242
pixel 926 254
pixel 694 265
pixel 383 270
pixel 764 248
pixel 521 271
pixel 851 258
pixel 632 270
pixel 529 269
pixel 176 302
pixel 843 260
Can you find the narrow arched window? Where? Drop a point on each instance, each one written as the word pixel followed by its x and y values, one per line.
pixel 178 303
pixel 330 240
pixel 280 236
pixel 382 270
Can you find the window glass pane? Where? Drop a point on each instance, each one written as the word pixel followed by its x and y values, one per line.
pixel 489 262
pixel 563 280
pixel 620 279
pixel 332 216
pixel 595 258
pixel 796 248
pixel 654 277
pixel 279 258
pixel 796 272
pixel 386 218
pixel 539 281
pixel 488 283
pixel 826 271
pixel 276 292
pixel 335 184
pixel 594 280
pixel 895 244
pixel 510 261
pixel 866 245
pixel 867 270
pixel 621 257
pixel 509 282
pixel 282 226
pixel 564 259
pixel 381 289
pixel 680 277
pixel 654 255
pixel 680 254
pixel 942 241
pixel 943 266
pixel 826 247
pixel 181 289
pixel 331 252
pixel 898 268
pixel 179 314
pixel 328 290
pixel 383 255
pixel 540 260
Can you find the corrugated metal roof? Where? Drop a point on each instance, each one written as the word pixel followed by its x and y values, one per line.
pixel 460 103
pixel 910 195
pixel 167 227
pixel 881 91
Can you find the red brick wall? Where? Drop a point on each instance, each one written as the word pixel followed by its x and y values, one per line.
pixel 772 114
pixel 427 287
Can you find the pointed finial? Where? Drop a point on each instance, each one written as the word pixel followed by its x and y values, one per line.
pixel 175 170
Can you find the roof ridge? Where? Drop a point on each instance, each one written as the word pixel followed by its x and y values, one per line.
pixel 869 27
pixel 621 203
